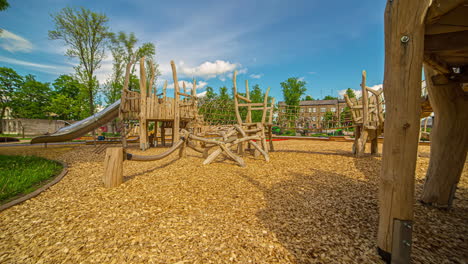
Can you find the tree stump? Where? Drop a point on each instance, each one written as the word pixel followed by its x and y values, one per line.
pixel 113 167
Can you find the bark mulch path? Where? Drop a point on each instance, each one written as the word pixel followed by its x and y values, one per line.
pixel 312 203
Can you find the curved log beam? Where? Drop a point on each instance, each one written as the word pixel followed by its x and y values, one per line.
pixel 134 157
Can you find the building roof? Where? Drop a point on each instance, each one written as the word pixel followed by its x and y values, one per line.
pixel 317 102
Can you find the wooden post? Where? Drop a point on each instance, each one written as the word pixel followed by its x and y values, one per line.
pixel 249 108
pixel 362 140
pixel 163 134
pixel 404 48
pixel 449 139
pixel 143 99
pixel 270 125
pixel 176 125
pixel 113 167
pixel 164 89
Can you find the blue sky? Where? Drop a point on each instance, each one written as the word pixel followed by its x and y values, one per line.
pixel 327 43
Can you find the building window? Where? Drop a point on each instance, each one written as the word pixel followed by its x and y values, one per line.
pixel 314 118
pixel 310 109
pixel 302 110
pixel 323 109
pixel 333 109
pixel 314 109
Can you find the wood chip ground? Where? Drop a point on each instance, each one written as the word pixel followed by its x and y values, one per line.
pixel 312 203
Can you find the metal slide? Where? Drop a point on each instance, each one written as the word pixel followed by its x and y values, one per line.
pixel 82 127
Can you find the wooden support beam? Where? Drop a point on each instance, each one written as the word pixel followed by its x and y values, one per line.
pixel 113 167
pixel 449 139
pixel 439 8
pixel 176 124
pixel 404 50
pixel 236 96
pixel 144 141
pixel 362 140
pixel 447 42
pixel 164 89
pixel 243 98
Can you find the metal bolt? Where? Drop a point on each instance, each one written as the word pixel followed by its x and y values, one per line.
pixel 406 243
pixel 409 226
pixel 404 39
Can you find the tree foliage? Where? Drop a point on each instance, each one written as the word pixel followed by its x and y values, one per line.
pixel 85 33
pixel 329 97
pixel 308 98
pixel 350 93
pixel 4 5
pixel 293 89
pixel 66 100
pixel 31 99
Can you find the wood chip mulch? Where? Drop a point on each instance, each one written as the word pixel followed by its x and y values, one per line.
pixel 312 203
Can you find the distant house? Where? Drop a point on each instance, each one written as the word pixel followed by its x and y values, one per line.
pixel 311 113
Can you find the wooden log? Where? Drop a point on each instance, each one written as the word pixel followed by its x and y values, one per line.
pixel 164 89
pixel 236 102
pixel 144 142
pixel 243 98
pixel 265 104
pixel 176 124
pixel 249 107
pixel 362 140
pixel 168 152
pixel 449 140
pixel 113 167
pixel 404 48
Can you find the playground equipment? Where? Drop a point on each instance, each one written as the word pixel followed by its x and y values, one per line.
pixel 367 116
pixel 148 106
pixel 434 33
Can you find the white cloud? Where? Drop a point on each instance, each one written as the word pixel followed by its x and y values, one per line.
pixel 14 43
pixel 312 72
pixel 301 79
pixel 56 69
pixel 256 76
pixel 358 93
pixel 200 85
pixel 208 70
pixel 202 94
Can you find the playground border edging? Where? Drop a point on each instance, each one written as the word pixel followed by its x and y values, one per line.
pixel 35 193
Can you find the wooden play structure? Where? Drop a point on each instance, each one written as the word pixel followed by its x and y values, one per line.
pixel 261 128
pixel 368 118
pixel 149 106
pixel 433 33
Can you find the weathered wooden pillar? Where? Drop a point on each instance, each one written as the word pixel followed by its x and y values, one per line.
pixel 176 126
pixel 113 167
pixel 144 142
pixel 404 48
pixel 449 139
pixel 362 140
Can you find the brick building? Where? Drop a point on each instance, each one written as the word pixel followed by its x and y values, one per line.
pixel 311 113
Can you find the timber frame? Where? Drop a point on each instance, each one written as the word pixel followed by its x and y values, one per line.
pixel 367 117
pixel 149 106
pixel 433 33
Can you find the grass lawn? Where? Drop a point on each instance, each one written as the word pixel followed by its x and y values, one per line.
pixel 24 174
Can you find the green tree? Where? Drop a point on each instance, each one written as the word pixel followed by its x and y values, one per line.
pixel 10 81
pixel 85 33
pixel 293 89
pixel 350 93
pixel 4 5
pixel 308 98
pixel 124 51
pixel 329 97
pixel 210 93
pixel 31 99
pixel 66 98
pixel 223 93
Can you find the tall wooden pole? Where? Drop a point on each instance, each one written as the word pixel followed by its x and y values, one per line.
pixel 249 108
pixel 362 140
pixel 164 89
pixel 144 142
pixel 449 139
pixel 176 126
pixel 404 48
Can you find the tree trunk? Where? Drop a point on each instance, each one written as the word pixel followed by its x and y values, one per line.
pixel 449 139
pixel 404 51
pixel 113 167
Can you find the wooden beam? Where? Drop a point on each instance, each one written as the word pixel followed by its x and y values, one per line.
pixel 452 42
pixel 404 51
pixel 436 63
pixel 113 167
pixel 144 142
pixel 176 125
pixel 439 8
